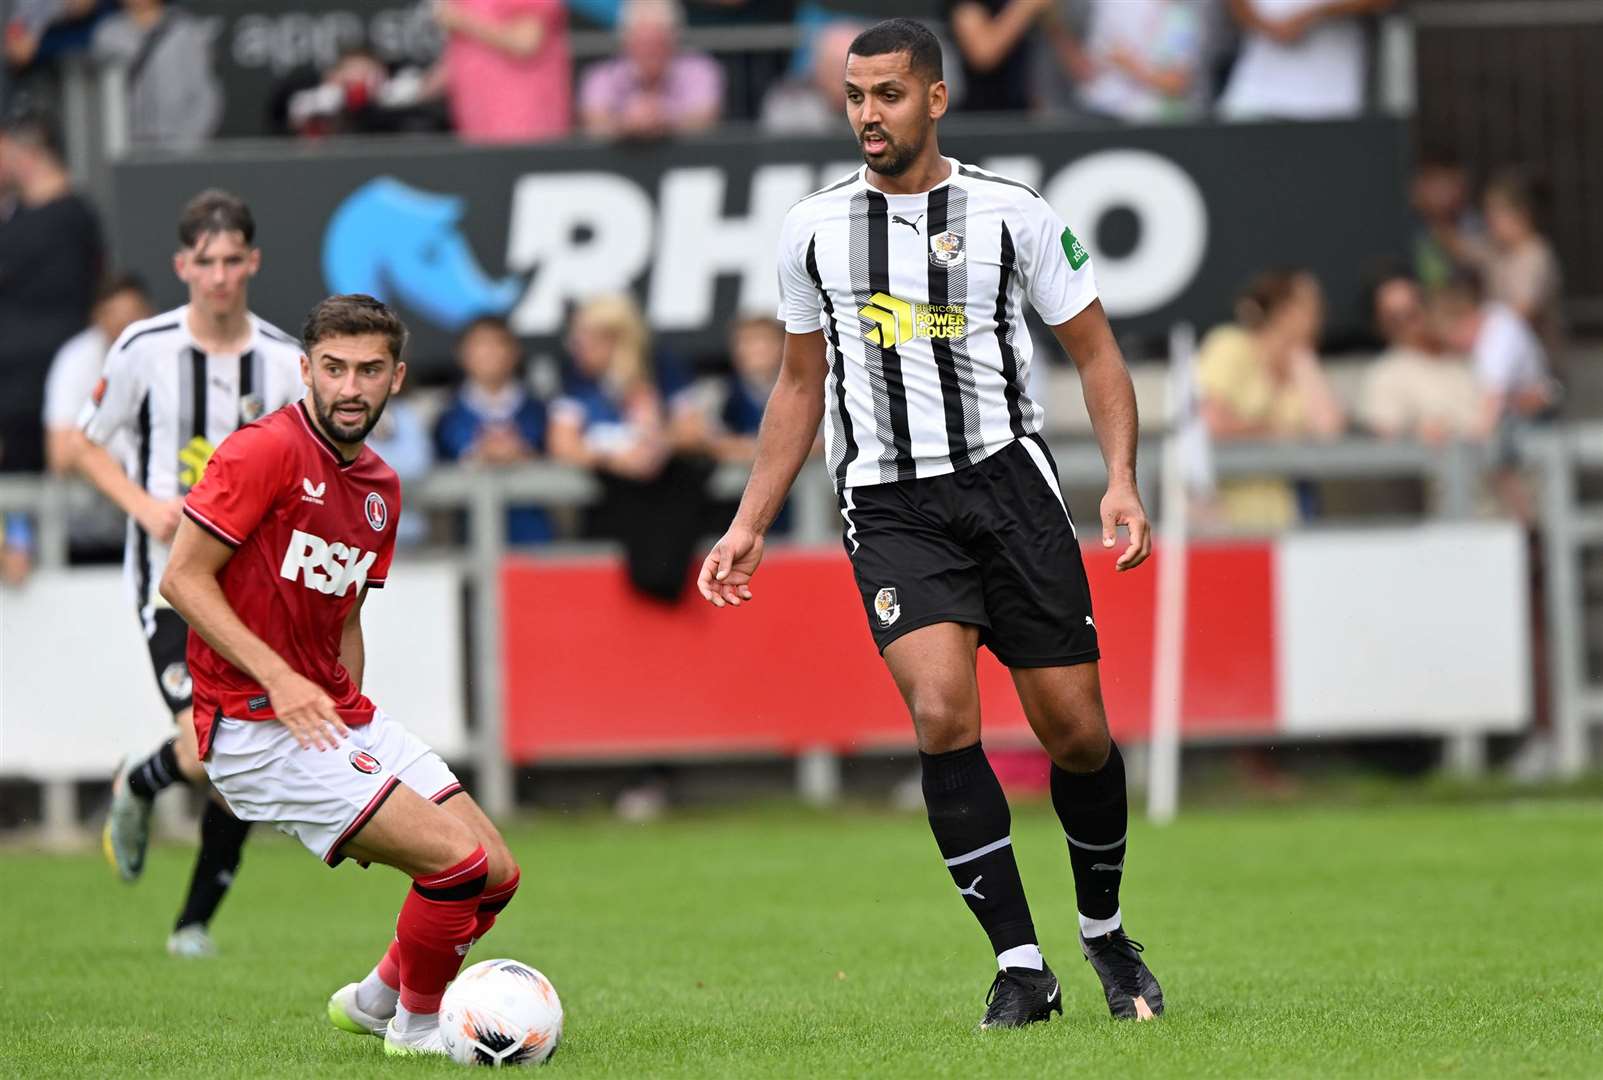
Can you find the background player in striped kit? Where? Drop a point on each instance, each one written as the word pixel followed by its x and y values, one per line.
pixel 178 384
pixel 902 292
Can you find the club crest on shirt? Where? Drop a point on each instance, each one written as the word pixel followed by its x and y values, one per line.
pixel 364 762
pixel 251 407
pixel 175 679
pixel 946 250
pixel 378 514
pixel 886 608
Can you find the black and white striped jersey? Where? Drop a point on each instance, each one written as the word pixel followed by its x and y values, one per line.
pixel 921 301
pixel 177 404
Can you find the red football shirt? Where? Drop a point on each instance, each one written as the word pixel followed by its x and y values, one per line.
pixel 309 531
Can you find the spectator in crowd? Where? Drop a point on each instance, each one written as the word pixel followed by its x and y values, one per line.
pixel 1508 360
pixel 1514 260
pixel 16 549
pixel 1416 389
pixel 610 420
pixel 402 439
pixel 653 89
pixel 722 414
pixel 995 41
pixel 1439 195
pixel 95 532
pixel 50 262
pixel 493 419
pixel 815 105
pixel 1141 61
pixel 610 415
pixel 174 98
pixel 358 95
pixel 508 69
pixel 26 27
pixel 1299 59
pixel 1260 379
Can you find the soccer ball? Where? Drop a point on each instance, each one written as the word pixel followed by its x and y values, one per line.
pixel 500 1012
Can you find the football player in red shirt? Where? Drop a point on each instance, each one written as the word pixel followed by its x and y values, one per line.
pixel 281 540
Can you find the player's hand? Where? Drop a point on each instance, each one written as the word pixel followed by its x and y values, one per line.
pixel 308 712
pixel 1122 506
pixel 160 518
pixel 725 577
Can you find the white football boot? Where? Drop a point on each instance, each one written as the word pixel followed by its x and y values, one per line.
pixel 413 1043
pixel 347 1015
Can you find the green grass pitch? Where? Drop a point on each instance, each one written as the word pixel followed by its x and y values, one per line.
pixel 1406 941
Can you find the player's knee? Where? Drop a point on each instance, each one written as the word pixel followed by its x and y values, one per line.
pixel 453 842
pixel 943 723
pixel 503 866
pixel 1079 745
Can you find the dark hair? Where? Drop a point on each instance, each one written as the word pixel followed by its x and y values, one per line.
pixel 486 322
pixel 1519 188
pixel 215 211
pixel 31 122
pixel 903 35
pixel 116 284
pixel 350 314
pixel 1267 293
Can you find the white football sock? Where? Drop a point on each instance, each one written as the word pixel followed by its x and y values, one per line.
pixel 414 1023
pixel 375 998
pixel 1021 956
pixel 1097 927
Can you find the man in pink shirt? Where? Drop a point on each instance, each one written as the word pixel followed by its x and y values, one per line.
pixel 507 68
pixel 651 90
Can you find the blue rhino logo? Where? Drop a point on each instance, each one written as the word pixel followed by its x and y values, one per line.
pixel 402 245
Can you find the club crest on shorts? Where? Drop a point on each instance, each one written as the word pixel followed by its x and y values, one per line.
pixel 175 679
pixel 886 607
pixel 378 515
pixel 364 762
pixel 946 250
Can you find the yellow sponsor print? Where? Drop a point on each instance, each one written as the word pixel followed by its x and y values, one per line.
pixel 894 321
pixel 193 459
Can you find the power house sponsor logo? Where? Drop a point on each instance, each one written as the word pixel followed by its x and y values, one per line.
pixel 328 568
pixel 889 321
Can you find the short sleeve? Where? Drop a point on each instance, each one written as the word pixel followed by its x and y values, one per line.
pixel 240 484
pixel 801 305
pixel 115 400
pixel 73 376
pixel 380 572
pixel 1055 265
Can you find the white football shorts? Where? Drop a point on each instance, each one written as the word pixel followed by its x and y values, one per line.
pixel 321 797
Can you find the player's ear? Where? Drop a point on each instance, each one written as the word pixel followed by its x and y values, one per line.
pixel 181 264
pixel 939 101
pixel 253 262
pixel 399 377
pixel 306 371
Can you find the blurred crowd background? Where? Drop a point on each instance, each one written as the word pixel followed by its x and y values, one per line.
pixel 1481 316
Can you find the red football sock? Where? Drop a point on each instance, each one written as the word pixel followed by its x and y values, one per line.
pixel 491 903
pixel 435 928
pixel 389 968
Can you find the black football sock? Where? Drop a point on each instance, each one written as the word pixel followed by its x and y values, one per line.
pixel 222 835
pixel 970 818
pixel 1094 808
pixel 158 771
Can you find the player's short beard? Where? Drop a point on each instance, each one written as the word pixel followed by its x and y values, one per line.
pixel 899 157
pixel 340 434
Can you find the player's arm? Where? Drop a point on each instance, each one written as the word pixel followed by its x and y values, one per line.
pixel 790 424
pixel 1110 399
pixel 158 518
pixel 111 409
pixel 190 585
pixel 353 650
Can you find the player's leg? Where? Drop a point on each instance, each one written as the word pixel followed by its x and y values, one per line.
pixel 135 786
pixel 449 869
pixel 968 813
pixel 922 593
pixel 362 1006
pixel 1042 629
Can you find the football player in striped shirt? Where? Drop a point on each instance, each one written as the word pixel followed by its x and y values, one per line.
pixel 902 291
pixel 174 387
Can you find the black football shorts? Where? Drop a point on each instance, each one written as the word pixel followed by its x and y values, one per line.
pixel 169 650
pixel 991 545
